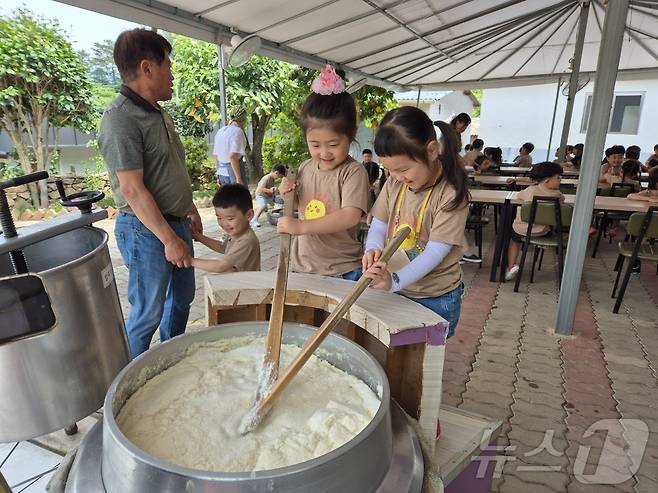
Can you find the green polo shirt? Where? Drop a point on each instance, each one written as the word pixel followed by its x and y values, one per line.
pixel 134 134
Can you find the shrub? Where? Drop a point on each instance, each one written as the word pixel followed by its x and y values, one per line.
pixel 286 145
pixel 199 165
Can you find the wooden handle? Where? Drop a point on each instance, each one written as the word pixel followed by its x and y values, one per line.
pixel 331 321
pixel 273 343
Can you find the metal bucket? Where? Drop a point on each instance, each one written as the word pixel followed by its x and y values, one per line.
pixel 359 466
pixel 52 380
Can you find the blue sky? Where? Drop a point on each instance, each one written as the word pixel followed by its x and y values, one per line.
pixel 83 27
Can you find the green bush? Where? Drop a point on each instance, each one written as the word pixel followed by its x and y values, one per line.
pixel 10 169
pixel 286 145
pixel 199 164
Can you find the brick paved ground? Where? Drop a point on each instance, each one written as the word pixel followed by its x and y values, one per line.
pixel 506 362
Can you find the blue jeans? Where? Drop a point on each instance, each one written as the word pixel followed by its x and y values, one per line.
pixel 225 180
pixel 159 292
pixel 448 306
pixel 353 275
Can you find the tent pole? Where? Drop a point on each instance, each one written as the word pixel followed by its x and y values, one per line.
pixel 597 128
pixel 222 89
pixel 573 80
pixel 418 98
pixel 557 98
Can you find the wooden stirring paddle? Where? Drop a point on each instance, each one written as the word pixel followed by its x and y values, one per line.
pixel 263 404
pixel 270 371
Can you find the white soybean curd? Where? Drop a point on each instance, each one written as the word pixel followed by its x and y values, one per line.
pixel 189 414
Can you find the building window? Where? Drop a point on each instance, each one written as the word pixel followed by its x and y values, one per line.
pixel 625 115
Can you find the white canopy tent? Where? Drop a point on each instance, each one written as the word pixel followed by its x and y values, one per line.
pixel 434 44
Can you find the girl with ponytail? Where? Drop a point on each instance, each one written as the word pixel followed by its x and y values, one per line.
pixel 427 191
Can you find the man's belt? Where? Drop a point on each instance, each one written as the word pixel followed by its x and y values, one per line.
pixel 173 219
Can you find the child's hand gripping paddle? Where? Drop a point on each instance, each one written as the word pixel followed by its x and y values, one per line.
pixel 265 400
pixel 270 370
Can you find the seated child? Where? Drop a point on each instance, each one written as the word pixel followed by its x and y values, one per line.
pixel 630 173
pixel 568 155
pixel 611 172
pixel 493 158
pixel 653 159
pixel 241 250
pixel 577 156
pixel 265 192
pixel 475 152
pixel 651 193
pixel 547 177
pixel 524 160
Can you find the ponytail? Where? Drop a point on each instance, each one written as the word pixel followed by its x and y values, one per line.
pixel 453 171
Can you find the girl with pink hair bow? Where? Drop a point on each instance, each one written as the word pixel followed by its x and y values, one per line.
pixel 331 190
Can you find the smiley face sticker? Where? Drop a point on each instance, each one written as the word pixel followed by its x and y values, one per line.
pixel 315 209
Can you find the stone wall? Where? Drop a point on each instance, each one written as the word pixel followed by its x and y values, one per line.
pixel 72 184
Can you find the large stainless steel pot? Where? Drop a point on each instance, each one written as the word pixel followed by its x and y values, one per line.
pixel 359 466
pixel 48 382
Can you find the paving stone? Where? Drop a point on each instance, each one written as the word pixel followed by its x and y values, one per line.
pixel 646 484
pixel 539 424
pixel 499 413
pixel 550 403
pixel 536 481
pixel 536 438
pixel 524 384
pixel 578 487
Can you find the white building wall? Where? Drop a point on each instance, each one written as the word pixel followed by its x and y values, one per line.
pixel 512 116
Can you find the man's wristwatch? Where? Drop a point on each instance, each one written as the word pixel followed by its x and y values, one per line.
pixel 395 287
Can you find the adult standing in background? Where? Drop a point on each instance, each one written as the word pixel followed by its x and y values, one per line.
pixel 229 150
pixel 459 123
pixel 150 184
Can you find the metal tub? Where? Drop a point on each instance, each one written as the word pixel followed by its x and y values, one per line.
pixel 49 381
pixel 359 466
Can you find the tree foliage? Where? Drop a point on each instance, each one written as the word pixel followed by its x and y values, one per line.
pixel 263 86
pixel 269 89
pixel 373 103
pixel 43 86
pixel 100 64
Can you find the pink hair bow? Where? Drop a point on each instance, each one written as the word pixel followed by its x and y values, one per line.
pixel 328 82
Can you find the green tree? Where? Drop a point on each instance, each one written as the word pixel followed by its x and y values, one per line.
pixel 264 86
pixel 43 86
pixel 101 64
pixel 373 103
pixel 476 109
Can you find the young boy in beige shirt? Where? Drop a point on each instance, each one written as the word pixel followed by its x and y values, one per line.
pixel 241 250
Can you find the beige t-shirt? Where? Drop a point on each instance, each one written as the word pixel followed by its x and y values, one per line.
pixel 439 224
pixel 521 227
pixel 265 182
pixel 320 193
pixel 243 252
pixel 524 161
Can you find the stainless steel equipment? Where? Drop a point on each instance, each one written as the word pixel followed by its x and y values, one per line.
pixel 51 380
pixel 384 457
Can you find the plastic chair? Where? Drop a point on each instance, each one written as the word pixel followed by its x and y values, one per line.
pixel 642 227
pixel 617 190
pixel 544 211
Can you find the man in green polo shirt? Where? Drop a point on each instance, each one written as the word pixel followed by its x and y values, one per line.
pixel 146 166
